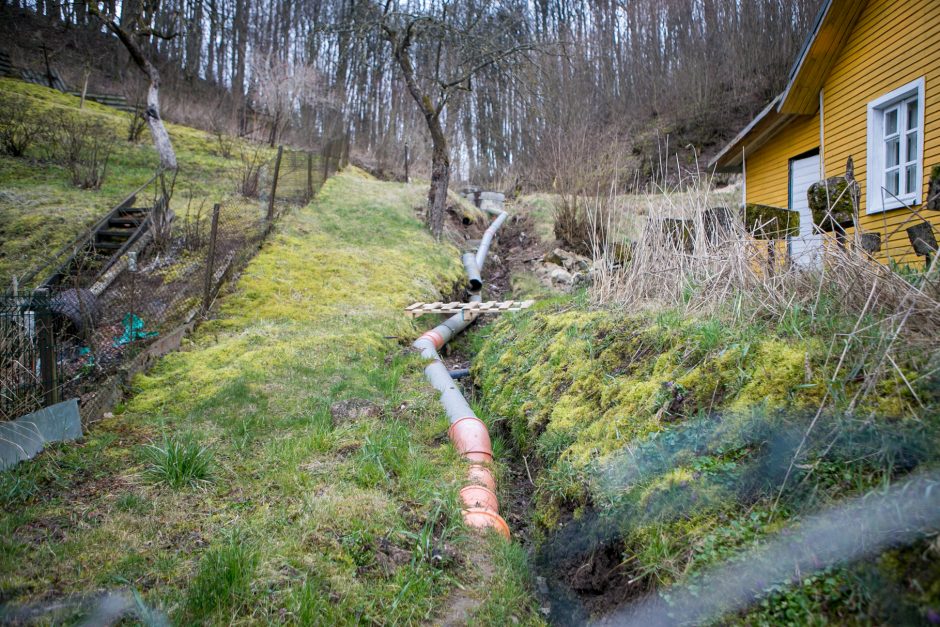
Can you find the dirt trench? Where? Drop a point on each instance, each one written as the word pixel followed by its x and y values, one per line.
pixel 576 579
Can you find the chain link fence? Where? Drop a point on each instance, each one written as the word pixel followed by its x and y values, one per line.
pixel 128 291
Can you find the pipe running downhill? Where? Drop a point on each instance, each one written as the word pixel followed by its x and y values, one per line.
pixel 467 432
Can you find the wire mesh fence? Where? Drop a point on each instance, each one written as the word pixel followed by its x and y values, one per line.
pixel 129 289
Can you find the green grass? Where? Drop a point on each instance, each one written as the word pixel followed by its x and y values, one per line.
pixel 177 463
pixel 41 211
pixel 304 520
pixel 224 579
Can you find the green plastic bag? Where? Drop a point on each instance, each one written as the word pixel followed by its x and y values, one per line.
pixel 133 330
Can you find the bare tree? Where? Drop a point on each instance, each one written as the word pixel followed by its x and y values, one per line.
pixel 128 32
pixel 280 88
pixel 459 42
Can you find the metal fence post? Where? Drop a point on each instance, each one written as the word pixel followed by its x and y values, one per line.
pixel 407 178
pixel 309 176
pixel 210 259
pixel 277 171
pixel 47 357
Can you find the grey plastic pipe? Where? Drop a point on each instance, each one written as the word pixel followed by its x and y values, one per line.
pixel 467 432
pixel 484 248
pixel 473 272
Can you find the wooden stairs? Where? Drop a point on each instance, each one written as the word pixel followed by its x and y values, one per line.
pixel 103 244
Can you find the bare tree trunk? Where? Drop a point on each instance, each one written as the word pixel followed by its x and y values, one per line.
pixel 161 139
pixel 437 194
pixel 440 156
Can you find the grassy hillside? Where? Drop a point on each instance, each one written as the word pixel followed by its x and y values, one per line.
pixel 40 209
pixel 233 488
pixel 662 445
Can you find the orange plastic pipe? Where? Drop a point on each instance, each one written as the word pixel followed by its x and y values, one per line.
pixel 479 518
pixel 480 475
pixel 467 432
pixel 471 439
pixel 478 496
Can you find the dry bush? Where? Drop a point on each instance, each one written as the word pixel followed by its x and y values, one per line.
pixel 194 224
pixel 583 164
pixel 136 124
pixel 20 128
pixel 690 257
pixel 249 174
pixel 83 146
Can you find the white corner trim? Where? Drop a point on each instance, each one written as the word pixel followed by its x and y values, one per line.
pixel 876 199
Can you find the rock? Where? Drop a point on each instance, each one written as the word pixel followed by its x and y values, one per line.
pixel 583 278
pixel 541 585
pixel 933 191
pixel 922 238
pixel 572 262
pixel 544 270
pixel 353 409
pixel 833 202
pixel 561 277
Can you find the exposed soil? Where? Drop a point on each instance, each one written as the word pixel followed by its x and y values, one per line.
pixel 577 578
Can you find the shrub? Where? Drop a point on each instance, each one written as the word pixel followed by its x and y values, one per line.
pixel 19 127
pixel 252 161
pixel 178 463
pixel 135 126
pixel 84 148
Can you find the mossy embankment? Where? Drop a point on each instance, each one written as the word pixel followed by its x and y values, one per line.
pixel 662 443
pixel 41 210
pixel 312 512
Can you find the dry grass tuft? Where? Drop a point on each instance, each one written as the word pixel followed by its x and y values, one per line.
pixel 687 254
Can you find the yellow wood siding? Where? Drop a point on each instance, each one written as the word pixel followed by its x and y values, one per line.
pixel 893 43
pixel 768 169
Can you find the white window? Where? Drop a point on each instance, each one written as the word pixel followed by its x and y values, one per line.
pixel 896 148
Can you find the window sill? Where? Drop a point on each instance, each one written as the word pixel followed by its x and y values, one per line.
pixel 890 205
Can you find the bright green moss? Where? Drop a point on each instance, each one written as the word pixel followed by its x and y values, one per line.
pixel 776 370
pixel 678 428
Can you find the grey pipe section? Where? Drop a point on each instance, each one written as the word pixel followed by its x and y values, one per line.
pixel 473 272
pixel 488 236
pixel 455 406
pixel 460 373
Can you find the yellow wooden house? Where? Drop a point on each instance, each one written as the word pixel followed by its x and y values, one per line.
pixel 866 85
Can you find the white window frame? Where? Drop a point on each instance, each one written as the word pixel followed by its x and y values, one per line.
pixel 877 198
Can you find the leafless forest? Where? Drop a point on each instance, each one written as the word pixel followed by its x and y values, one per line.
pixel 521 86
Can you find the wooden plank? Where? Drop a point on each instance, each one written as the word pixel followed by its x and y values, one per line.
pixel 470 310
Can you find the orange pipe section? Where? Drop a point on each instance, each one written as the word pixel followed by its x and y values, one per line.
pixel 471 439
pixel 481 475
pixel 436 338
pixel 479 518
pixel 478 496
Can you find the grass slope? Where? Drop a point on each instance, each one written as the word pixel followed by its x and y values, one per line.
pixel 664 439
pixel 225 491
pixel 41 211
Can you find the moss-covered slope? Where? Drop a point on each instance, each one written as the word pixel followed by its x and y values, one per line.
pixel 40 209
pixel 664 442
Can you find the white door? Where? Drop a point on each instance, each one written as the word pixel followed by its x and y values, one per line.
pixel 805 250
